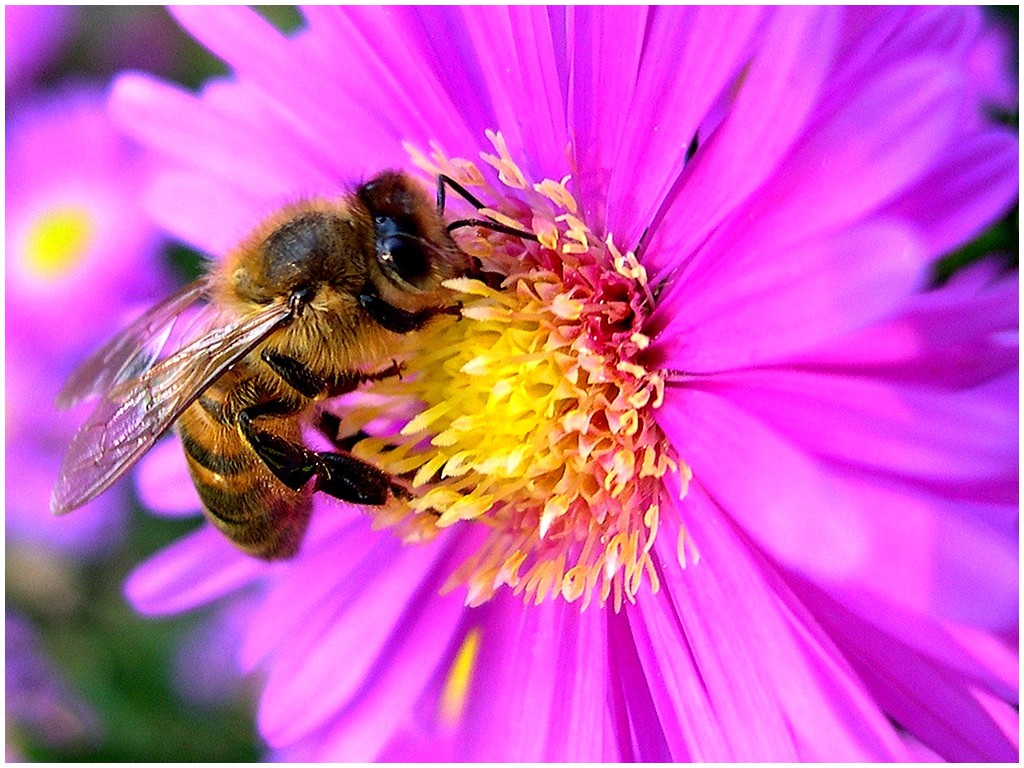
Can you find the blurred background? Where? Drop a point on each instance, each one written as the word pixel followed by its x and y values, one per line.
pixel 86 677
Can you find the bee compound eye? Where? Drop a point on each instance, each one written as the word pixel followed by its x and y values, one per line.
pixel 400 253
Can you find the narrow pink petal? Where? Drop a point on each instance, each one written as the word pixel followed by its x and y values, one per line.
pixel 509 707
pixel 932 702
pixel 683 698
pixel 555 698
pixel 579 731
pixel 642 732
pixel 266 60
pixel 515 46
pixel 851 163
pixel 972 654
pixel 759 663
pixel 208 214
pixel 975 182
pixel 768 115
pixel 890 428
pixel 387 78
pixel 605 48
pixel 754 306
pixel 863 34
pixel 859 534
pixel 879 38
pixel 193 571
pixel 955 566
pixel 222 134
pixel 706 48
pixel 960 335
pixel 312 587
pixel 421 646
pixel 378 596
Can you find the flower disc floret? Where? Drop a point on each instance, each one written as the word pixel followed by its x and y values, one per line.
pixel 533 411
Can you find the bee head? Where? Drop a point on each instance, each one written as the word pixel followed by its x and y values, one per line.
pixel 412 249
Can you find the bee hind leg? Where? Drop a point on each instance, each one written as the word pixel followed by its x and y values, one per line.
pixel 340 475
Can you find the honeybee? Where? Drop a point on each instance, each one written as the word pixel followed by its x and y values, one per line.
pixel 310 306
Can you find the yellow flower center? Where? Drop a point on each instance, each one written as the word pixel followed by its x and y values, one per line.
pixel 532 413
pixel 58 240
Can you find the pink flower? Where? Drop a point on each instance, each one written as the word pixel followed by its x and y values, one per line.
pixel 779 473
pixel 80 257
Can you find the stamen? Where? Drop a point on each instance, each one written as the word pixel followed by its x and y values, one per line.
pixel 533 413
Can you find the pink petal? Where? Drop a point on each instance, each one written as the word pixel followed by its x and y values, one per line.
pixel 706 48
pixel 276 65
pixel 193 571
pixel 759 662
pixel 901 545
pixel 605 48
pixel 974 183
pixel 312 586
pixel 222 134
pixel 378 597
pixel 637 720
pixel 957 721
pixel 879 38
pixel 851 163
pixel 958 336
pixel 886 426
pixel 579 730
pixel 755 306
pixel 389 88
pixel 430 634
pixel 516 46
pixel 207 213
pixel 768 115
pixel 531 683
pixel 974 655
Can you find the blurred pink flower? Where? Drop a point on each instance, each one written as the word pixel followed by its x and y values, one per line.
pixel 842 570
pixel 79 257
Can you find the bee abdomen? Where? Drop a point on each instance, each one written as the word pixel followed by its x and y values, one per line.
pixel 239 494
pixel 216 462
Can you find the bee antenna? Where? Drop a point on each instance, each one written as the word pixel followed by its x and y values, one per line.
pixel 494 226
pixel 444 181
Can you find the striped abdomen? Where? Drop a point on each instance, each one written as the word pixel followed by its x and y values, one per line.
pixel 239 493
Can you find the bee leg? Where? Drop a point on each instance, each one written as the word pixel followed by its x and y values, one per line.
pixel 395 319
pixel 345 477
pixel 338 474
pixel 299 377
pixel 292 464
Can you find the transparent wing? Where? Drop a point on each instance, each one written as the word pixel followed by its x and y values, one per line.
pixel 133 415
pixel 133 351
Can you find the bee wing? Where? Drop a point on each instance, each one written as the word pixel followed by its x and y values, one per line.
pixel 132 352
pixel 133 415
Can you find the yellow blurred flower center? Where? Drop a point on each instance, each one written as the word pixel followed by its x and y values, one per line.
pixel 58 240
pixel 532 414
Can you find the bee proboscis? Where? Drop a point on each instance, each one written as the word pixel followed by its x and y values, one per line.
pixel 311 305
